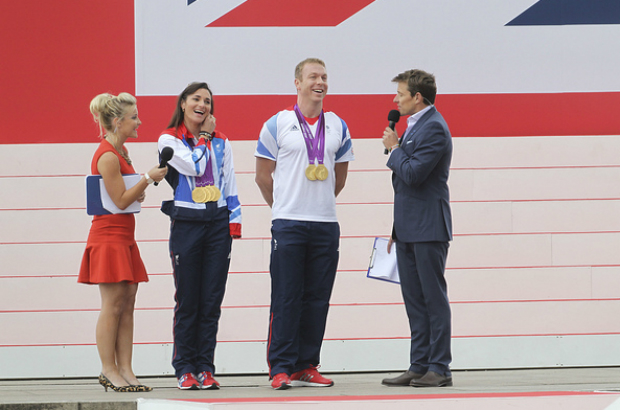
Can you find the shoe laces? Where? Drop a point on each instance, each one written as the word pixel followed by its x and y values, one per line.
pixel 205 376
pixel 185 377
pixel 312 370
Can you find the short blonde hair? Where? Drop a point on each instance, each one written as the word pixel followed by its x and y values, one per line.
pixel 301 65
pixel 105 107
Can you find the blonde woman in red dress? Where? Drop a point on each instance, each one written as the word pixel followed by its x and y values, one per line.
pixel 112 259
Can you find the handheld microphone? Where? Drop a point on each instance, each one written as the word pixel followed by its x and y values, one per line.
pixel 393 118
pixel 166 155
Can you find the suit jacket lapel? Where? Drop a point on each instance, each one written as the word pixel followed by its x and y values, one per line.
pixel 418 125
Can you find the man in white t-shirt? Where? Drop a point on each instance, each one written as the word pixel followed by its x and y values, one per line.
pixel 302 161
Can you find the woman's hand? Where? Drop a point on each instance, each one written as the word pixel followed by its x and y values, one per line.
pixel 208 124
pixel 157 173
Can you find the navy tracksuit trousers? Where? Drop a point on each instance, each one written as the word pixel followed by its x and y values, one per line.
pixel 304 259
pixel 200 253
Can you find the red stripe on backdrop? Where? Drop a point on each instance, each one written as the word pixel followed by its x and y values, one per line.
pixel 468 115
pixel 46 87
pixel 241 117
pixel 260 13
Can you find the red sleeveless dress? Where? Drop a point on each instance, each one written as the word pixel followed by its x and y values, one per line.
pixel 112 253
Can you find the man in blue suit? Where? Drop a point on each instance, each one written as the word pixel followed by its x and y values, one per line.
pixel 422 229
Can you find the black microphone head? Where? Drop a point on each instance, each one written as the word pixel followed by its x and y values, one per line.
pixel 394 116
pixel 166 154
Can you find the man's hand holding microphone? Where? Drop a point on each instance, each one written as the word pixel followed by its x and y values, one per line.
pixel 390 137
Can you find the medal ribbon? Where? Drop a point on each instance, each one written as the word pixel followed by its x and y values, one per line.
pixel 206 179
pixel 315 146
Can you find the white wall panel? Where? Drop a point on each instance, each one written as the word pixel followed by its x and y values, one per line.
pixel 362 187
pixel 493 251
pixel 524 284
pixel 57 225
pixel 566 216
pixel 586 249
pixel 554 183
pixel 337 355
pixel 26 192
pixel 471 152
pixel 519 152
pixel 15 163
pixel 351 288
pixel 535 318
pixel 482 217
pixel 365 219
pixel 345 322
pixel 523 264
pixel 606 282
pixel 41 259
pixel 256 221
pixel 367 186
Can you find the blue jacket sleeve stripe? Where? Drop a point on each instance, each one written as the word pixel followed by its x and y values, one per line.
pixel 347 145
pixel 262 150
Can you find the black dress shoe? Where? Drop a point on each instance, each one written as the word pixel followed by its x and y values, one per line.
pixel 402 380
pixel 432 379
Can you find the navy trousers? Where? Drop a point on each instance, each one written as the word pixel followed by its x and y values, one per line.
pixel 200 253
pixel 421 267
pixel 304 259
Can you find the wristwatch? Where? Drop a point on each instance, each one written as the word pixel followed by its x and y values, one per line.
pixel 149 180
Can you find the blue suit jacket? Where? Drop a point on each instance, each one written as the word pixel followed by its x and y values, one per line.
pixel 420 179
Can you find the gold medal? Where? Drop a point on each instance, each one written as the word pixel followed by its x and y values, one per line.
pixel 321 172
pixel 216 194
pixel 210 193
pixel 199 195
pixel 207 194
pixel 311 172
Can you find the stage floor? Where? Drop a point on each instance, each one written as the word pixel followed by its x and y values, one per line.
pixel 558 388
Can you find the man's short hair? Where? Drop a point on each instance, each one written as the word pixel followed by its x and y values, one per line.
pixel 301 65
pixel 419 81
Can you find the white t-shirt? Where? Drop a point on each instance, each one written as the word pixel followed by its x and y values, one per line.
pixel 295 197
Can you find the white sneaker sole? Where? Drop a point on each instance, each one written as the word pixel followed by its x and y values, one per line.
pixel 209 387
pixel 301 383
pixel 283 386
pixel 193 387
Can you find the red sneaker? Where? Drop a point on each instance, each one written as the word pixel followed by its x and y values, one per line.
pixel 207 382
pixel 281 381
pixel 188 382
pixel 310 377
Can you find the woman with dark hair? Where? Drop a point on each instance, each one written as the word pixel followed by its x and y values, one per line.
pixel 112 259
pixel 205 215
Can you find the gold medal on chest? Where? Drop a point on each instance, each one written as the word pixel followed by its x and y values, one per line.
pixel 216 194
pixel 321 172
pixel 210 193
pixel 311 172
pixel 199 195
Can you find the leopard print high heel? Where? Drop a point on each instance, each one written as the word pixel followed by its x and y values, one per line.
pixel 105 382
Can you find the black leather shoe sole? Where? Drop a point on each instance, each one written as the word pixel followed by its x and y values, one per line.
pixel 441 383
pixel 402 380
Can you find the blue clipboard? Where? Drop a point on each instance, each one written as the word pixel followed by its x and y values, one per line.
pixel 383 265
pixel 98 201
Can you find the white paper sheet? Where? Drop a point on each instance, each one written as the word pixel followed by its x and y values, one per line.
pixel 383 264
pixel 108 204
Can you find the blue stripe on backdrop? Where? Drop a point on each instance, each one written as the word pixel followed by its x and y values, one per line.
pixel 569 12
